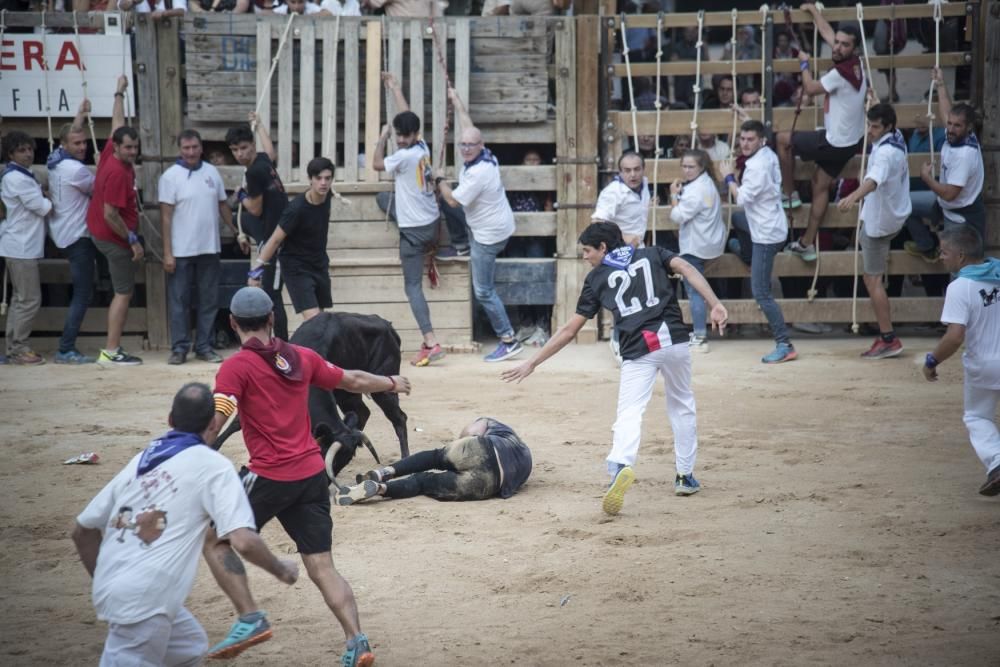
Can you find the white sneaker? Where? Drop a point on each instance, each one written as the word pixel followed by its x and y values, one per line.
pixel 697 343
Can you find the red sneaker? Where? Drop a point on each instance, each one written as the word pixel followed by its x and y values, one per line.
pixel 882 350
pixel 427 354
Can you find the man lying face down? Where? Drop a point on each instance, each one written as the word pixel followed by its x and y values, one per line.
pixel 488 459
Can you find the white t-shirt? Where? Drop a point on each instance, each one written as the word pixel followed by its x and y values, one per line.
pixel 311 8
pixel 699 213
pixel 154 528
pixel 347 8
pixel 70 185
pixel 962 166
pixel 416 204
pixel 886 209
pixel 718 151
pixel 976 305
pixel 195 196
pixel 22 234
pixel 760 197
pixel 843 110
pixel 147 7
pixel 487 211
pixel 620 204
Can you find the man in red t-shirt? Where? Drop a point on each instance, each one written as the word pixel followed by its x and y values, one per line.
pixel 268 380
pixel 113 222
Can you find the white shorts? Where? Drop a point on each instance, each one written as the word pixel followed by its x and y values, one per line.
pixel 156 641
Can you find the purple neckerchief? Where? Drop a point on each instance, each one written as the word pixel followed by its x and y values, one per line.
pixel 970 140
pixel 279 355
pixel 57 156
pixel 165 448
pixel 484 156
pixel 637 190
pixel 895 139
pixel 619 258
pixel 13 166
pixel 190 170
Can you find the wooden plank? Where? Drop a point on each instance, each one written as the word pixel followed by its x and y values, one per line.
pixel 357 234
pixel 286 102
pixel 462 79
pixel 444 314
pixel 349 269
pixel 388 288
pixel 515 179
pixel 567 288
pixel 331 45
pixel 307 95
pixel 486 114
pixel 417 101
pixel 263 87
pixel 396 46
pixel 373 96
pixel 904 309
pixel 588 132
pixel 56 272
pixel 670 169
pixel 834 217
pixel 51 319
pixel 513 26
pixel 832 263
pixel 540 223
pixel 439 95
pixel 753 16
pixel 352 94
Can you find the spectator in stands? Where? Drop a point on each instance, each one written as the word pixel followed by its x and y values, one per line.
pixel 524 7
pixel 407 8
pixel 785 83
pixel 709 142
pixel 920 142
pixel 957 197
pixel 747 48
pixel 219 158
pixel 645 94
pixel 681 144
pixel 697 208
pixel 234 6
pixel 70 186
pixel 750 98
pixel 300 241
pixel 762 226
pixel 414 207
pixel 158 9
pixel 300 7
pixel 886 194
pixel 722 94
pixel 192 202
pixel 890 37
pixel 264 198
pixel 22 243
pixel 533 320
pixel 686 48
pixel 113 222
pixel 481 194
pixel 833 147
pixel 341 7
pixel 625 200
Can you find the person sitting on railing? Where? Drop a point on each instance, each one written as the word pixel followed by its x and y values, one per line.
pixel 886 194
pixel 833 147
pixel 957 198
pixel 407 9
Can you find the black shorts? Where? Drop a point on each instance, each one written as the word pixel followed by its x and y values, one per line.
pixel 308 286
pixel 302 507
pixel 813 146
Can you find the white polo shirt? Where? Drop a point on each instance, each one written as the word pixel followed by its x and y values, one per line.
pixel 975 304
pixel 70 186
pixel 962 166
pixel 698 211
pixel 22 234
pixel 416 204
pixel 886 209
pixel 843 110
pixel 487 211
pixel 195 196
pixel 620 204
pixel 760 197
pixel 311 8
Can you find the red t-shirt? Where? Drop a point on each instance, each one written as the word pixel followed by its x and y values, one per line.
pixel 274 411
pixel 114 184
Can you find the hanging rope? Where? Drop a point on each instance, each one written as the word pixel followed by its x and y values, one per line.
pixel 733 138
pixel 443 64
pixel 812 292
pixel 385 68
pixel 659 106
pixel 83 84
pixel 45 74
pixel 815 65
pixel 631 92
pixel 125 49
pixel 697 79
pixel 764 11
pixel 937 66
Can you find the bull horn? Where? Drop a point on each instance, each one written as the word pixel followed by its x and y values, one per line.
pixel 328 459
pixel 371 448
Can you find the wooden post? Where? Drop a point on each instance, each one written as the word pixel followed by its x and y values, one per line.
pixel 330 47
pixel 373 95
pixel 352 91
pixel 307 96
pixel 286 103
pixel 461 81
pixel 263 87
pixel 588 131
pixel 991 125
pixel 417 104
pixel 439 96
pixel 567 286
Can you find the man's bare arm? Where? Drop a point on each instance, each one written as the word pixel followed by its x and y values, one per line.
pixel 118 109
pixel 392 85
pixel 464 119
pixel 88 544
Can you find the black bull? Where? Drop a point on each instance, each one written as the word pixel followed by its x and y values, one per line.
pixel 354 342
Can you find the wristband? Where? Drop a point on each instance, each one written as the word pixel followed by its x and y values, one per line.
pixel 389 378
pixel 730 179
pixel 930 361
pixel 133 238
pixel 119 94
pixel 241 195
pixel 256 274
pixel 437 181
pixel 804 65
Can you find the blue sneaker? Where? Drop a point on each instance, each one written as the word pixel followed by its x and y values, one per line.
pixel 781 352
pixel 686 485
pixel 73 357
pixel 614 498
pixel 358 653
pixel 242 636
pixel 505 351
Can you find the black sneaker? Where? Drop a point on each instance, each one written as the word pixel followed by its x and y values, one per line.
pixel 177 358
pixel 210 356
pixel 992 485
pixel 118 357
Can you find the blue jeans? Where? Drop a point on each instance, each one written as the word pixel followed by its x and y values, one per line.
pixel 454 218
pixel 81 255
pixel 923 208
pixel 483 260
pixel 198 274
pixel 699 310
pixel 761 266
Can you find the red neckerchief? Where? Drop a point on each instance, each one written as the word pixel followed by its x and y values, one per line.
pixel 850 69
pixel 741 164
pixel 279 355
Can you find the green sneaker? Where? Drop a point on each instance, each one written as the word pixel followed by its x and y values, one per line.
pixel 358 653
pixel 241 636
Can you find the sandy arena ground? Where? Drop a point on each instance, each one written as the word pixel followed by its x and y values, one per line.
pixel 839 521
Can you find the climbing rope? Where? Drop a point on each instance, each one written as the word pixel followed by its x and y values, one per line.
pixel 83 84
pixel 812 292
pixel 815 64
pixel 443 64
pixel 631 92
pixel 125 49
pixel 45 75
pixel 937 66
pixel 697 79
pixel 733 138
pixel 388 95
pixel 764 11
pixel 659 106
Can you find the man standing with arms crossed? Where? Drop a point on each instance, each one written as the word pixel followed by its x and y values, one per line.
pixel 481 194
pixel 113 222
pixel 886 191
pixel 268 380
pixel 415 210
pixel 844 121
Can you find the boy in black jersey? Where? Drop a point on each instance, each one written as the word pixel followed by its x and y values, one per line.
pixel 635 286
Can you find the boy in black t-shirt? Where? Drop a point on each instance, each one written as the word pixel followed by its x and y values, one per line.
pixel 299 241
pixel 263 196
pixel 635 286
